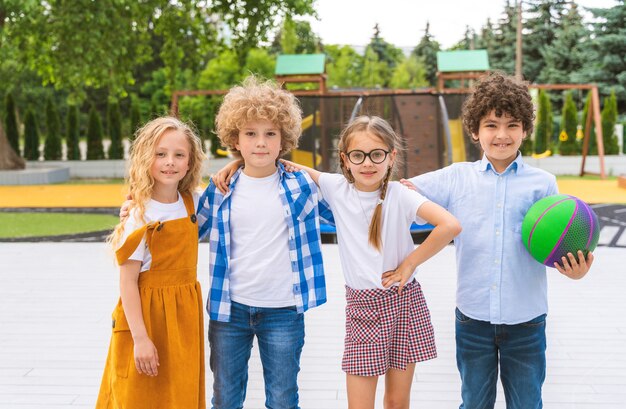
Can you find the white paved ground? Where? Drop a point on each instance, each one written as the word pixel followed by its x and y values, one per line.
pixel 56 300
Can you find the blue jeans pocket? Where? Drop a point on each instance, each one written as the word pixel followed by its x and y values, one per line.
pixel 364 325
pixel 460 317
pixel 535 322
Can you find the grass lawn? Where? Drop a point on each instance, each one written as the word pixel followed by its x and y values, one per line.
pixel 14 225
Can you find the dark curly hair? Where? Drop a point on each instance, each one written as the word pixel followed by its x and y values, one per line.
pixel 502 93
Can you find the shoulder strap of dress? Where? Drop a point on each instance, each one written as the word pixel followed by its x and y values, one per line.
pixel 133 240
pixel 188 200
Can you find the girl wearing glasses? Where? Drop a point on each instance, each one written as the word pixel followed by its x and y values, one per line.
pixel 388 326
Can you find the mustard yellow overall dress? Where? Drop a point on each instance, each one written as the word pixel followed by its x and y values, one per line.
pixel 171 303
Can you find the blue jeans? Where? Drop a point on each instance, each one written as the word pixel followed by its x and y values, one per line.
pixel 280 335
pixel 521 350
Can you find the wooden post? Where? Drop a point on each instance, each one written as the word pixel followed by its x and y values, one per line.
pixel 174 105
pixel 586 139
pixel 595 101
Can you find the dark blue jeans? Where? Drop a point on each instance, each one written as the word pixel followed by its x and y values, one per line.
pixel 280 335
pixel 520 351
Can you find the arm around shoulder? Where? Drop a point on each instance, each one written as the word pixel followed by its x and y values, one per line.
pixel 294 167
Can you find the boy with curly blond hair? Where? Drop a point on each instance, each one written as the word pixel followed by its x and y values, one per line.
pixel 502 298
pixel 265 248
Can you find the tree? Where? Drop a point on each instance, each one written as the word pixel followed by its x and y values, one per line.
pixel 98 44
pixel 251 21
pixel 386 52
pixel 10 121
pixel 606 65
pixel 542 26
pixel 344 66
pixel 9 160
pixel 308 41
pixel 410 73
pixel 300 33
pixel 427 51
pixel 77 44
pixel 114 130
pixel 73 131
pixel 568 145
pixel 609 119
pixel 503 55
pixel 288 36
pixel 221 72
pixel 374 71
pixel 135 116
pixel 31 136
pixel 387 58
pixel 52 146
pixel 468 42
pixel 486 39
pixel 260 63
pixel 543 127
pixel 94 136
pixel 567 52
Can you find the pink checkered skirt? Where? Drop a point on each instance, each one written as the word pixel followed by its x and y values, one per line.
pixel 386 330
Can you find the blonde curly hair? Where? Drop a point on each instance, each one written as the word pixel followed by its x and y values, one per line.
pixel 257 100
pixel 140 181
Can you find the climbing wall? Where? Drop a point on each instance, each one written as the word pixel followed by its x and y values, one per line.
pixel 418 124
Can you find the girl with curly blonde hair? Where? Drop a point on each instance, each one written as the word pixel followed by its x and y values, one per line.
pixel 158 320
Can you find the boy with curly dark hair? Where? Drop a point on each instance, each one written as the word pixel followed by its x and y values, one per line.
pixel 501 298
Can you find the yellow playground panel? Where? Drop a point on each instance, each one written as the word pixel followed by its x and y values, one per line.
pixel 458 140
pixel 304 157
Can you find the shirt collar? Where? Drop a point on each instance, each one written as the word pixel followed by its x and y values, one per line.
pixel 516 166
pixel 282 173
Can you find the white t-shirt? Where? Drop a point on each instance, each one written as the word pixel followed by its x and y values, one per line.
pixel 155 211
pixel 362 264
pixel 260 267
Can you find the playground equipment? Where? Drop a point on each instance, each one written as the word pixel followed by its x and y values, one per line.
pixel 306 153
pixel 428 119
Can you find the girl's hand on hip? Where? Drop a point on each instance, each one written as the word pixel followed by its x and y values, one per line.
pixel 400 275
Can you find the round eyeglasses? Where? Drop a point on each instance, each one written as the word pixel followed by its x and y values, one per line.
pixel 376 156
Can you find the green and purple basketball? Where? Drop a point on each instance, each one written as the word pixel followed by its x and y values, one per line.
pixel 557 225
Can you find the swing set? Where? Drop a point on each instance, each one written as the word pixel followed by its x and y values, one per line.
pixel 594 110
pixel 427 119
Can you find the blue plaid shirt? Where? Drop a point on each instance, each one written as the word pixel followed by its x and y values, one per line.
pixel 302 204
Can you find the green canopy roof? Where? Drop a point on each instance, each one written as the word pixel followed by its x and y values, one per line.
pixel 462 60
pixel 298 64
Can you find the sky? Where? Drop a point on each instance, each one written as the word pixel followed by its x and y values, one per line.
pixel 402 22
